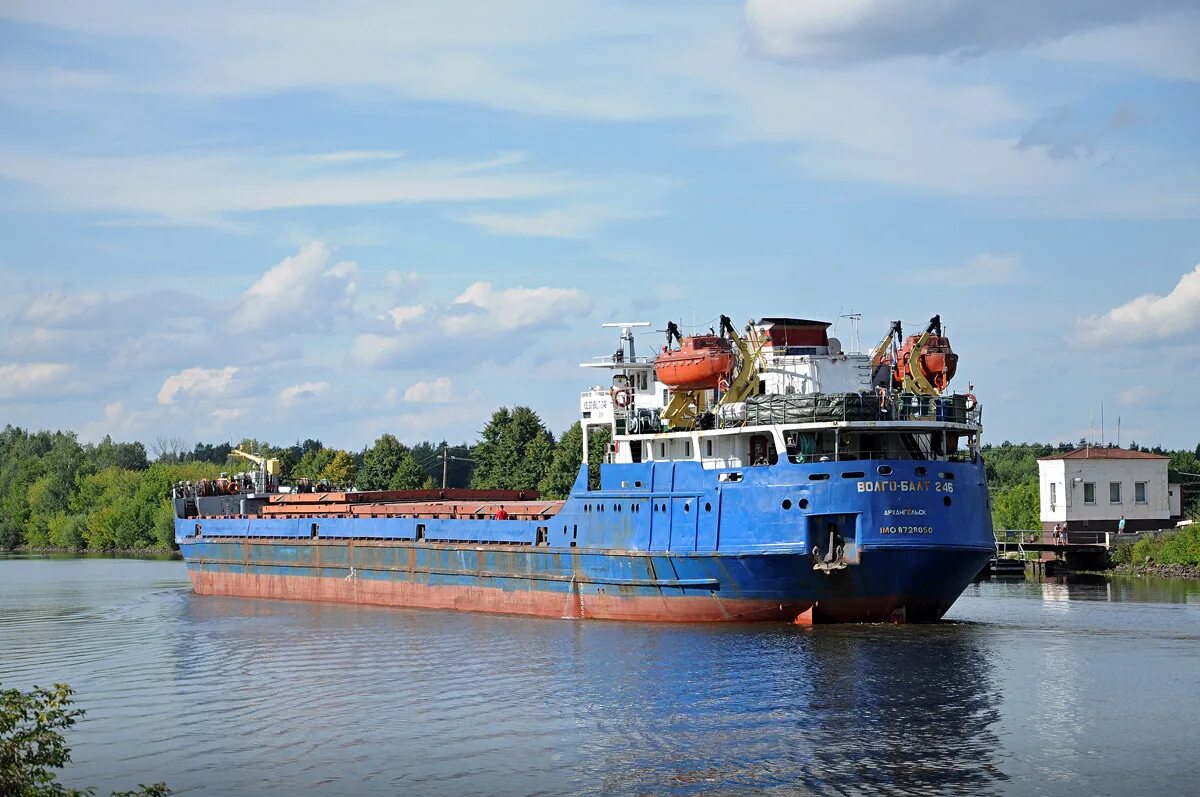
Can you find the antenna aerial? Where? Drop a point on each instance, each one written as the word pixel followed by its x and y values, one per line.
pixel 626 328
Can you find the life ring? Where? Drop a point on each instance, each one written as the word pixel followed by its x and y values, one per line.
pixel 971 402
pixel 234 488
pixel 620 397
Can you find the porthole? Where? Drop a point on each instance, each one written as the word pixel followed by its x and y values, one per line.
pixel 884 470
pixel 948 476
pixel 818 477
pixel 708 507
pixel 787 503
pixel 853 474
pixel 687 507
pixel 803 503
pixel 921 471
pixel 946 501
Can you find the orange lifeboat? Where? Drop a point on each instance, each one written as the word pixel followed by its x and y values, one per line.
pixel 702 362
pixel 937 360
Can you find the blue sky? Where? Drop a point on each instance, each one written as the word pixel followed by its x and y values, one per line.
pixel 314 220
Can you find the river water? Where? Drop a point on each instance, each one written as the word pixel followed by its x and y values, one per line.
pixel 1080 688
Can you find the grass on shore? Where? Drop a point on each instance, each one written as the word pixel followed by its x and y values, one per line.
pixel 1180 547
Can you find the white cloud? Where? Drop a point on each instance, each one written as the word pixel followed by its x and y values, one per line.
pixel 196 382
pixel 1136 395
pixel 864 92
pixel 59 308
pixel 848 30
pixel 300 292
pixel 379 350
pixel 483 308
pixel 1164 46
pixel 17 379
pixel 209 188
pixel 305 390
pixel 436 391
pixel 565 222
pixel 399 316
pixel 980 270
pixel 406 281
pixel 224 414
pixel 1149 317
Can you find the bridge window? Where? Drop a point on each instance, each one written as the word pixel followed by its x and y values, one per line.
pixel 687 448
pixel 1089 492
pixel 662 450
pixel 708 448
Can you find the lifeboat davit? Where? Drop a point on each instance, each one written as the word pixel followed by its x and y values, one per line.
pixel 937 360
pixel 702 362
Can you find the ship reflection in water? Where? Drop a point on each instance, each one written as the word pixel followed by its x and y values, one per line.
pixel 835 711
pixel 460 702
pixel 1023 694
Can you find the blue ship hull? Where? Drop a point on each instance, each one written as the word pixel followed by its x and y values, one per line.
pixel 657 541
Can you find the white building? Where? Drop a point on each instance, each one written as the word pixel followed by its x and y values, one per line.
pixel 1091 489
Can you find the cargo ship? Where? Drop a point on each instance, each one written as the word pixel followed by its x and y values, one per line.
pixel 760 474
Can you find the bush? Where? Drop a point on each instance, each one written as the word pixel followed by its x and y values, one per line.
pixel 32 744
pixel 1169 548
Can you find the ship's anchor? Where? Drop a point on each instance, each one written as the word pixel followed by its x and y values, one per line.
pixel 834 558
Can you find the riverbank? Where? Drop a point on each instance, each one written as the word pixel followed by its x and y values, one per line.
pixel 1159 571
pixel 116 553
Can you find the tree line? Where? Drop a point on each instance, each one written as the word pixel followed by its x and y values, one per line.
pixel 56 492
pixel 1012 477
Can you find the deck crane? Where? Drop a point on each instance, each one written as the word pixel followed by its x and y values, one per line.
pixel 266 468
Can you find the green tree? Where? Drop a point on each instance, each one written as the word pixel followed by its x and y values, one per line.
pixel 408 475
pixel 380 463
pixel 1017 508
pixel 515 452
pixel 340 470
pixel 568 456
pixel 106 499
pixel 312 464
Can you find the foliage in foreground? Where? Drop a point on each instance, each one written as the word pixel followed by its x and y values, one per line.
pixel 32 745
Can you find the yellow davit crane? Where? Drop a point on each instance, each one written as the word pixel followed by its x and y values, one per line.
pixel 745 382
pixel 686 406
pixel 268 466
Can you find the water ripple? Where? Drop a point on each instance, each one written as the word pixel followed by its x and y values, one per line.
pixel 241 697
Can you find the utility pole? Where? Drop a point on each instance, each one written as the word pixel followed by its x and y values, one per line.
pixel 445 463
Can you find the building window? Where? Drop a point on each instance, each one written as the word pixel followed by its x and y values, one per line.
pixel 1114 492
pixel 1139 492
pixel 1089 492
pixel 1053 494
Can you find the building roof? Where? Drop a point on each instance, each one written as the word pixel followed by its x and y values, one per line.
pixel 1103 453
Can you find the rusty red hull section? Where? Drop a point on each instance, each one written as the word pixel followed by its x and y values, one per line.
pixel 572 605
pixel 575 604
